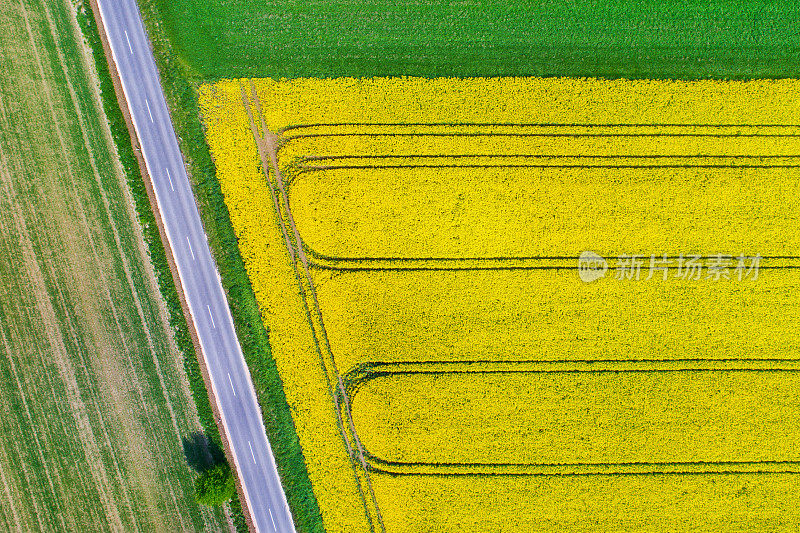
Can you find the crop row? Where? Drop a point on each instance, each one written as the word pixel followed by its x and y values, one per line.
pixel 552 315
pixel 521 101
pixel 458 212
pixel 518 420
pixel 413 143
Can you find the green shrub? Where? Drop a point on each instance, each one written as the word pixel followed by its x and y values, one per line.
pixel 215 486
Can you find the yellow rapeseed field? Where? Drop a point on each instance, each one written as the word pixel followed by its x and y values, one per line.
pixel 577 417
pixel 461 357
pixel 551 314
pixel 291 340
pixel 523 212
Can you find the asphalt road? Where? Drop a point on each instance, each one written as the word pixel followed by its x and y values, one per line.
pixel 233 388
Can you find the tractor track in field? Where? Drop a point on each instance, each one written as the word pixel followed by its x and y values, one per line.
pixel 369 371
pixel 509 263
pixel 347 386
pixel 267 144
pixel 533 125
pixel 304 164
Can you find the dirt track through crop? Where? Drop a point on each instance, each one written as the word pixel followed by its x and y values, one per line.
pixel 267 146
pixel 316 162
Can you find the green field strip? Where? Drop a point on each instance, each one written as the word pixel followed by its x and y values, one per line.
pixel 329 38
pixel 100 401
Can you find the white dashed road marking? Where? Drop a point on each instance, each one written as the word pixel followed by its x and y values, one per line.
pixel 148 109
pixel 231 382
pixel 129 42
pixel 171 186
pixel 212 316
pixel 251 452
pixel 190 246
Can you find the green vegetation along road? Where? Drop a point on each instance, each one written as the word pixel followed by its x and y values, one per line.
pixel 93 392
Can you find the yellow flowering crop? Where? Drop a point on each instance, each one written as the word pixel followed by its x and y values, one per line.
pixel 266 259
pixel 499 211
pixel 456 367
pixel 551 314
pixel 461 415
pixel 524 100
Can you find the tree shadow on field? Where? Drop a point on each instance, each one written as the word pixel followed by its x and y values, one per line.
pixel 201 452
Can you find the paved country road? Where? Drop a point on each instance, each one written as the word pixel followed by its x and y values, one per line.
pixel 233 388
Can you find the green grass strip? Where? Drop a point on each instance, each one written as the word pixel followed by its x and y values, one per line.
pixel 594 38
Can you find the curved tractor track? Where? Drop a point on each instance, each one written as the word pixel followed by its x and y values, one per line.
pixel 344 388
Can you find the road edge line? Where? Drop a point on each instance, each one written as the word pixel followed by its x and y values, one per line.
pixel 122 101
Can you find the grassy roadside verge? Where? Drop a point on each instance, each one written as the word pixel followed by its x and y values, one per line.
pixel 182 98
pixel 122 140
